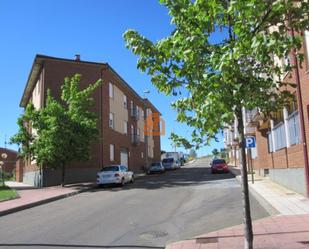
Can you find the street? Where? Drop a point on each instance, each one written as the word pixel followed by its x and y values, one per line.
pixel 153 211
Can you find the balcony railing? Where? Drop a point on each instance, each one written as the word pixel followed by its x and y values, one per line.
pixel 279 136
pixel 294 129
pixel 134 113
pixel 135 139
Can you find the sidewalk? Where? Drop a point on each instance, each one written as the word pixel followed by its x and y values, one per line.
pixel 275 198
pixel 280 232
pixel 287 229
pixel 30 196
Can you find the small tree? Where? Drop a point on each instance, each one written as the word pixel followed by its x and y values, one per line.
pixel 215 152
pixel 222 76
pixel 61 132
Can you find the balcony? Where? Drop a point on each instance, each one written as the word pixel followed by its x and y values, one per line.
pixel 134 113
pixel 135 139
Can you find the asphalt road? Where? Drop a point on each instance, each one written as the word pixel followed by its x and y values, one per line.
pixel 153 211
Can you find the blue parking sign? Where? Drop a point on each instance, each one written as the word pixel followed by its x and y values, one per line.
pixel 250 142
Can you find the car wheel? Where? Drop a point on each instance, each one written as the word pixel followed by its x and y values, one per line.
pixel 132 179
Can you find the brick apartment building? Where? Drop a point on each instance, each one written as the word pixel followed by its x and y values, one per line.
pixel 120 110
pixel 279 153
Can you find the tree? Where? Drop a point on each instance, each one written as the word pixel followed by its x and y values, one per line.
pixel 215 152
pixel 222 76
pixel 61 132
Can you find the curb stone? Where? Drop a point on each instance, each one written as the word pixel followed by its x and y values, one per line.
pixel 41 202
pixel 263 202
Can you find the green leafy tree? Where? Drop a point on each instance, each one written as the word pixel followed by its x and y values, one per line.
pixel 223 76
pixel 180 141
pixel 215 152
pixel 62 131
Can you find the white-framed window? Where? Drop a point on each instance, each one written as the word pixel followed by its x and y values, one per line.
pixel 142 113
pixel 111 120
pixel 150 151
pixel 142 136
pixel 137 110
pixel 125 127
pixel 111 152
pixel 125 101
pixel 307 47
pixel 111 90
pixel 142 154
pixel 148 112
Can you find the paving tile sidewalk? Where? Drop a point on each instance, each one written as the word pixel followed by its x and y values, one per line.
pixel 279 232
pixel 281 199
pixel 30 196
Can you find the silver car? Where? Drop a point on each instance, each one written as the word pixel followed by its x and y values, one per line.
pixel 114 174
pixel 156 167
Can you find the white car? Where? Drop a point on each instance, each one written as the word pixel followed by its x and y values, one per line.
pixel 114 174
pixel 170 163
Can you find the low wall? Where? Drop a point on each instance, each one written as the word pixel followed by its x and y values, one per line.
pixel 292 178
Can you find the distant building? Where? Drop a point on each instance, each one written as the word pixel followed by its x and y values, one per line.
pixel 120 110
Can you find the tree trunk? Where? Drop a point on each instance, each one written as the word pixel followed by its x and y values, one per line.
pixel 63 175
pixel 244 183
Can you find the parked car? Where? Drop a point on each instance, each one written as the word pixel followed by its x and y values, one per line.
pixel 115 174
pixel 156 167
pixel 219 165
pixel 170 163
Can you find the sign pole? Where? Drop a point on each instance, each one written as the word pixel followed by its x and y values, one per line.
pixel 251 165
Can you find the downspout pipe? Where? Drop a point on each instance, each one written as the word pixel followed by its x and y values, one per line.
pixel 301 116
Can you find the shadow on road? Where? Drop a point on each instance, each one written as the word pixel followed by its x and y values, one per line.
pixel 186 176
pixel 74 246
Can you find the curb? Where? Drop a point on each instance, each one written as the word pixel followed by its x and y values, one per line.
pixel 41 202
pixel 263 202
pixel 190 162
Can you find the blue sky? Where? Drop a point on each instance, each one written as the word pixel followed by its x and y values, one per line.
pixel 92 29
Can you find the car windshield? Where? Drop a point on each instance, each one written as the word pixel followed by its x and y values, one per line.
pixel 218 161
pixel 168 160
pixel 110 168
pixel 155 164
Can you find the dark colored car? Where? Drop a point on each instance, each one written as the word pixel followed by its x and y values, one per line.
pixel 156 167
pixel 219 166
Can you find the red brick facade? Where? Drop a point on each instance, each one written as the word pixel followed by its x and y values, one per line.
pixel 291 157
pixel 52 72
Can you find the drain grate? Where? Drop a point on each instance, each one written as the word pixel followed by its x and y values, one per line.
pixel 206 240
pixel 290 193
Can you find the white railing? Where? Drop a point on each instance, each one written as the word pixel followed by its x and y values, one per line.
pixel 294 128
pixel 279 136
pixel 270 142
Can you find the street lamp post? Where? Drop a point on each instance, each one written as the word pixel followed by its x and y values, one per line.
pixel 145 133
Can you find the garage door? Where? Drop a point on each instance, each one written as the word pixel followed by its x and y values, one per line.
pixel 124 157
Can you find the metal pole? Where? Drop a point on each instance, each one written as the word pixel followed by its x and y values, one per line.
pixel 250 164
pixel 146 137
pixel 301 117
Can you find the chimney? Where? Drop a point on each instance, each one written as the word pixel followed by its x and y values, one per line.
pixel 77 57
